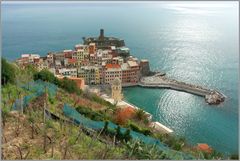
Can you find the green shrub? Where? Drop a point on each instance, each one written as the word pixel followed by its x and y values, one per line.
pixel 45 75
pixel 93 115
pixel 8 73
pixel 67 84
pixel 111 132
pixel 95 98
pixel 136 128
pixel 51 100
pixel 141 151
pixel 140 115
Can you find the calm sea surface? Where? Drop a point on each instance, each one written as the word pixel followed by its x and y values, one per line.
pixel 193 42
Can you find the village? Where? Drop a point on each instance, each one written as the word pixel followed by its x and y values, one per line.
pixel 101 67
pixel 97 62
pixel 100 60
pixel 92 63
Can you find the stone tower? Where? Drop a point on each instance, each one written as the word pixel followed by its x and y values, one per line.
pixel 116 90
pixel 101 37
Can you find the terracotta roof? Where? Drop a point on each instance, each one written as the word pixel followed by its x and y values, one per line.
pixel 72 60
pixel 113 66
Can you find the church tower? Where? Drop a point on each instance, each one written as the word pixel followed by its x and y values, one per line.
pixel 116 90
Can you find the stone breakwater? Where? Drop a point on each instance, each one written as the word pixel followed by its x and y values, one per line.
pixel 211 96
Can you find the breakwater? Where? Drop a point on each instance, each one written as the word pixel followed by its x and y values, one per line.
pixel 157 81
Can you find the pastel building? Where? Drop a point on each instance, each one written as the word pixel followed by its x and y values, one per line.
pixel 72 72
pixel 92 48
pixel 144 67
pixel 81 46
pixel 90 74
pixel 117 60
pixel 130 73
pixel 80 55
pixel 68 53
pixel 30 57
pixel 112 71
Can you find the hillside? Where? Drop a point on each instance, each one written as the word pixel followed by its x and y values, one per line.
pixel 45 118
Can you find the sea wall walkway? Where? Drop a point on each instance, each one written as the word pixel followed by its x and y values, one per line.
pixel 211 96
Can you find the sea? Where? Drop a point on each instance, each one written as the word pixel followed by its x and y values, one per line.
pixel 195 42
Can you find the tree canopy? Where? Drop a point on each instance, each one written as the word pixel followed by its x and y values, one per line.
pixel 45 75
pixel 65 83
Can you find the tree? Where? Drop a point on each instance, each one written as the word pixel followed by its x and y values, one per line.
pixel 69 85
pixel 140 114
pixel 8 72
pixel 45 75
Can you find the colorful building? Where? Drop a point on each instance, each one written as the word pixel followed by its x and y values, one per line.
pixel 72 72
pixel 111 72
pixel 90 74
pixel 130 73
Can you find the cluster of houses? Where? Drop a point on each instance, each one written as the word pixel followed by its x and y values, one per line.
pixel 91 63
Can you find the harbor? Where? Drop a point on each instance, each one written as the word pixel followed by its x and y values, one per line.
pixel 159 81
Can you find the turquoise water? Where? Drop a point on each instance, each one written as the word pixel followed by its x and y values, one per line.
pixel 193 43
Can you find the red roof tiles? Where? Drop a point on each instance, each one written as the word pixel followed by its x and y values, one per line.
pixel 71 61
pixel 113 66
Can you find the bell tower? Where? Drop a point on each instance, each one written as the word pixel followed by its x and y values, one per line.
pixel 116 90
pixel 101 37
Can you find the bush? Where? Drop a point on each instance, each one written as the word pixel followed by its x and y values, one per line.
pixel 51 100
pixel 93 115
pixel 140 115
pixel 95 98
pixel 142 151
pixel 136 128
pixel 67 84
pixel 122 115
pixel 8 72
pixel 70 86
pixel 46 75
